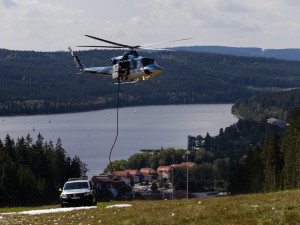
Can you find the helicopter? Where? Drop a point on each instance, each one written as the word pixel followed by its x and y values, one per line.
pixel 130 68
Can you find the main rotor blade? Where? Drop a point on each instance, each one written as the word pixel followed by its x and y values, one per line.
pixel 98 46
pixel 158 49
pixel 184 39
pixel 113 43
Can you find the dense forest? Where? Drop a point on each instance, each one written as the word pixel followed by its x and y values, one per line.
pixel 260 107
pixel 32 172
pixel 47 82
pixel 272 165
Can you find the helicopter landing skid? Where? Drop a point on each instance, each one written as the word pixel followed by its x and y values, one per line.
pixel 127 82
pixel 148 83
pixel 138 84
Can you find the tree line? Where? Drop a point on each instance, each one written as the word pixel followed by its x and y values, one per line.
pixel 32 172
pixel 278 104
pixel 247 157
pixel 47 82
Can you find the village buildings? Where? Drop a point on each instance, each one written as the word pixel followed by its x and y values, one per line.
pixel 116 185
pixel 147 174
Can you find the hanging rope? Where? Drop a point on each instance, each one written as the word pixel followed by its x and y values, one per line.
pixel 118 103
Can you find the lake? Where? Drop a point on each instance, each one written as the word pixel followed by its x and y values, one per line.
pixel 90 135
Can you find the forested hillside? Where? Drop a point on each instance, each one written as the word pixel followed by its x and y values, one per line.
pixel 47 82
pixel 273 165
pixel 260 107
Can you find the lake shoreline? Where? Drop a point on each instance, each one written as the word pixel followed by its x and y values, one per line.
pixel 107 108
pixel 90 135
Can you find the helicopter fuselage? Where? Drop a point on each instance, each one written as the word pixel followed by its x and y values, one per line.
pixel 129 67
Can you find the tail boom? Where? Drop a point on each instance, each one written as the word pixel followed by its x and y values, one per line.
pixel 101 71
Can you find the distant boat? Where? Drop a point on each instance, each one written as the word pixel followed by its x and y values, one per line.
pixel 134 111
pixel 33 129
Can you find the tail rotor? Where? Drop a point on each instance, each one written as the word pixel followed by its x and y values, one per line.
pixel 77 61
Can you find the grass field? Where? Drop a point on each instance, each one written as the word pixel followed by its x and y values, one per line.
pixel 272 208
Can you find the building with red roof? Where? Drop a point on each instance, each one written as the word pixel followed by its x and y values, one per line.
pixel 123 175
pixel 189 164
pixel 148 174
pixel 136 175
pixel 164 171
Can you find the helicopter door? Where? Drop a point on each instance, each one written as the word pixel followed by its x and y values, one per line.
pixel 115 73
pixel 138 66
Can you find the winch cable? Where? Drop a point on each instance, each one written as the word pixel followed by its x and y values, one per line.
pixel 117 134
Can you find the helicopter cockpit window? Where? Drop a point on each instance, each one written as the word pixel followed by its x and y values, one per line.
pixel 148 61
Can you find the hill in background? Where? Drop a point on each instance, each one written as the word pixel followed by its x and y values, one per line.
pixel 48 82
pixel 287 54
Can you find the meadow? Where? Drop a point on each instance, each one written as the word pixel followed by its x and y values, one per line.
pixel 269 208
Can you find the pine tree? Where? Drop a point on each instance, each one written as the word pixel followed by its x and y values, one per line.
pixel 30 173
pixel 273 161
pixel 191 142
pixel 257 171
pixel 291 150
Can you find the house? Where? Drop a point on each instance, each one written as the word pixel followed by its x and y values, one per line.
pixel 189 164
pixel 277 122
pixel 148 174
pixel 148 170
pixel 164 171
pixel 136 175
pixel 176 165
pixel 123 175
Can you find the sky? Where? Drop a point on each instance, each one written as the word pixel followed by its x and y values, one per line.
pixel 44 25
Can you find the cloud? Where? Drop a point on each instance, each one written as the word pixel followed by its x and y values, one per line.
pixel 291 2
pixel 7 3
pixel 36 23
pixel 44 24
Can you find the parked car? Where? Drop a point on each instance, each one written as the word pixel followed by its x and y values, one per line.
pixel 78 191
